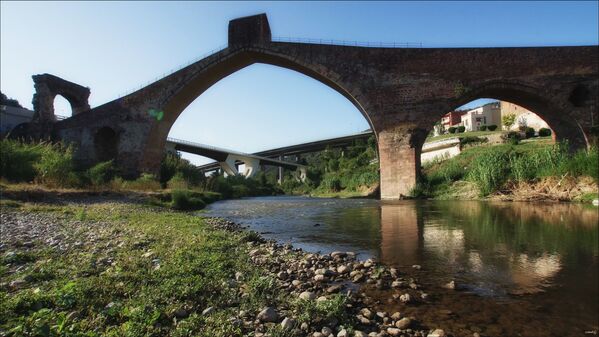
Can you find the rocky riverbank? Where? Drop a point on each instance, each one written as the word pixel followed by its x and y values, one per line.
pixel 315 277
pixel 92 268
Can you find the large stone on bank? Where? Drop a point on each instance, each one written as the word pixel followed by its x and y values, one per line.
pixel 437 333
pixel 343 333
pixel 393 331
pixel 403 323
pixel 307 295
pixel 268 314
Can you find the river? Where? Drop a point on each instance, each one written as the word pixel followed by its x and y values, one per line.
pixel 521 269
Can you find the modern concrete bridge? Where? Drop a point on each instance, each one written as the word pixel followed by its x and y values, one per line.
pixel 400 91
pixel 228 160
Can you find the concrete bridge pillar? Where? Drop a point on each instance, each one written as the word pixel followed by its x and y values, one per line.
pixel 229 166
pixel 280 173
pixel 252 166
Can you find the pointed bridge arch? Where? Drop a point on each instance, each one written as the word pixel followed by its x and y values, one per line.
pixel 215 68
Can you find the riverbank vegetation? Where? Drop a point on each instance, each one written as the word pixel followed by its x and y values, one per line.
pixel 352 171
pixel 535 167
pixel 179 184
pixel 122 269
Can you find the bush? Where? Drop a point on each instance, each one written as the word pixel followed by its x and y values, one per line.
pixel 483 128
pixel 17 160
pixel 146 182
pixel 331 183
pixel 511 137
pixel 452 129
pixel 55 167
pixel 182 200
pixel 461 129
pixel 489 171
pixel 472 140
pixel 529 132
pixel 101 173
pixel 177 182
pixel 585 163
pixel 544 132
pixel 492 127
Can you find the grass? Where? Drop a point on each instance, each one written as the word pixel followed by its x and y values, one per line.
pixel 143 266
pixel 489 167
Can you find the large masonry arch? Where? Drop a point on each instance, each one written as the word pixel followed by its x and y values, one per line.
pixel 400 91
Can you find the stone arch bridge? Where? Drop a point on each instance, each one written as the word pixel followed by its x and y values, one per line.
pixel 400 91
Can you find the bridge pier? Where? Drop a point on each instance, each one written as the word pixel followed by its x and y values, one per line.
pixel 399 160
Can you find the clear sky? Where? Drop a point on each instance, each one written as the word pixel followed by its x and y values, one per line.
pixel 114 47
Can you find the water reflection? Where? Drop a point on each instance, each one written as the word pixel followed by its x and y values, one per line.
pixel 539 258
pixel 490 248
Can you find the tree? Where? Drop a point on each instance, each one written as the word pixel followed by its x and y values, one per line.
pixel 508 120
pixel 4 100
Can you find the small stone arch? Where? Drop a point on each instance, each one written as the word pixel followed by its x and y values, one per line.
pixel 106 144
pixel 47 87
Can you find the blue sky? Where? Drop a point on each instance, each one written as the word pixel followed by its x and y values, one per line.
pixel 114 47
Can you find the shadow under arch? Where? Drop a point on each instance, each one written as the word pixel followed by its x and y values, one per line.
pixel 234 61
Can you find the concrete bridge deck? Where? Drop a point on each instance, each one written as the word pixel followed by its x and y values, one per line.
pixel 228 160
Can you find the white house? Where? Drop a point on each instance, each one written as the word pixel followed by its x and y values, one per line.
pixel 488 114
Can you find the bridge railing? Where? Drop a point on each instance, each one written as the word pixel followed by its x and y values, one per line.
pixel 280 39
pixel 349 43
pixel 174 70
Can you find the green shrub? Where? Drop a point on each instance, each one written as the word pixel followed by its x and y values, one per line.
pixel 182 200
pixel 492 127
pixel 483 128
pixel 529 132
pixel 101 173
pixel 461 129
pixel 585 163
pixel 17 160
pixel 452 129
pixel 472 140
pixel 146 182
pixel 489 171
pixel 544 132
pixel 55 167
pixel 523 166
pixel 177 182
pixel 511 137
pixel 331 183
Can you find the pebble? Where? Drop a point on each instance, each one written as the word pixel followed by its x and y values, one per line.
pixel 208 311
pixel 288 323
pixel 437 333
pixel 405 298
pixel 307 295
pixel 393 331
pixel 403 323
pixel 268 314
pixel 342 333
pixel 450 285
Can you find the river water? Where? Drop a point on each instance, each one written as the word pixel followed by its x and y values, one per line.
pixel 522 269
